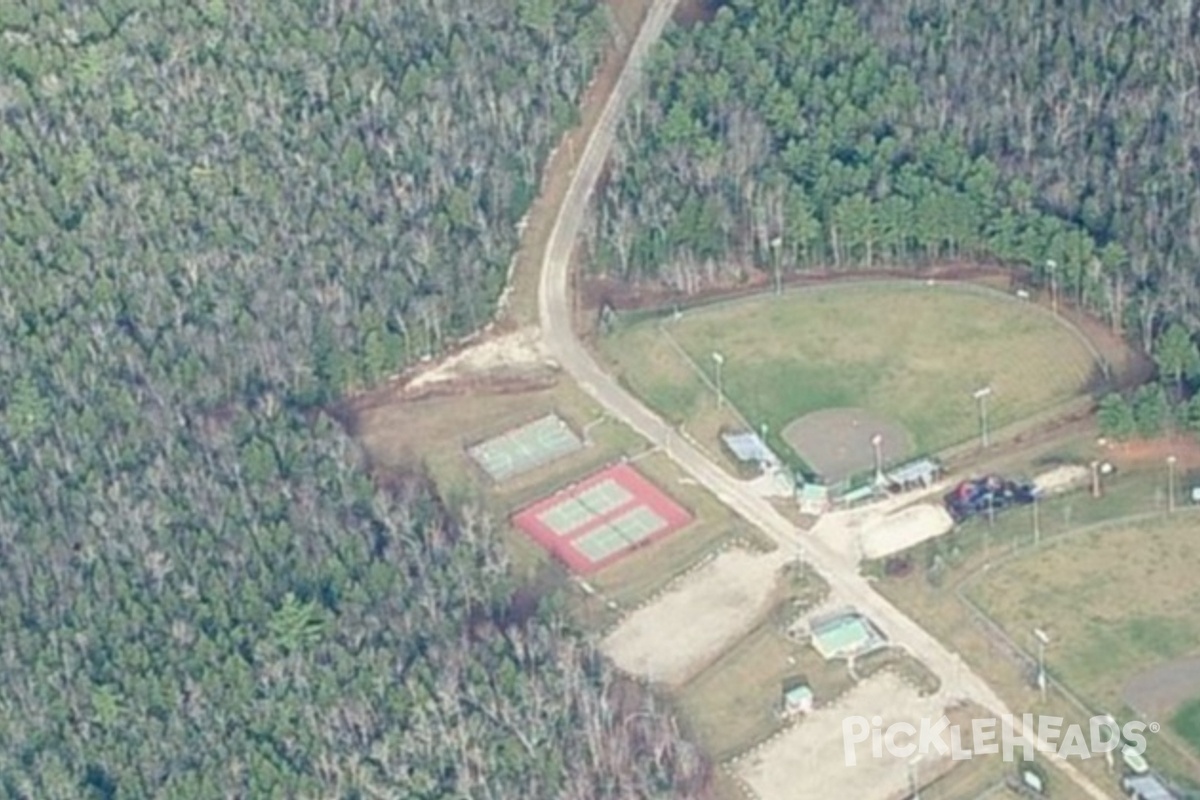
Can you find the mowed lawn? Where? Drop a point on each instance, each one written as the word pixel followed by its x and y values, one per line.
pixel 1114 602
pixel 906 350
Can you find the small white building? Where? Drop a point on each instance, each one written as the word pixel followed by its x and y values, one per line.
pixel 797 700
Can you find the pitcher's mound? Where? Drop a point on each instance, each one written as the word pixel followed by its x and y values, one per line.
pixel 836 442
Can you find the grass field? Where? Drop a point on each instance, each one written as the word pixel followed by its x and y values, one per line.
pixel 734 704
pixel 905 350
pixel 1186 723
pixel 1115 602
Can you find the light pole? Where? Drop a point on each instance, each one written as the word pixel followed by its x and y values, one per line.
pixel 914 776
pixel 1037 528
pixel 1170 484
pixel 1112 726
pixel 1043 640
pixel 1052 265
pixel 877 443
pixel 719 360
pixel 981 395
pixel 777 243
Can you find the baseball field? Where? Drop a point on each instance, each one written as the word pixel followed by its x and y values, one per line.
pixel 900 358
pixel 1121 608
pixel 1114 598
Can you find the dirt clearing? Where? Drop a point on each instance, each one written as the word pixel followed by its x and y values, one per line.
pixel 837 442
pixel 1062 479
pixel 904 529
pixel 522 348
pixel 686 629
pixel 810 758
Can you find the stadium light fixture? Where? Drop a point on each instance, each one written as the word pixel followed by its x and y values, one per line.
pixel 1037 526
pixel 877 443
pixel 719 360
pixel 914 776
pixel 1170 484
pixel 1043 640
pixel 1113 726
pixel 981 395
pixel 1052 265
pixel 777 243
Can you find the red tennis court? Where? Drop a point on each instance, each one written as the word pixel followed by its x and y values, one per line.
pixel 599 520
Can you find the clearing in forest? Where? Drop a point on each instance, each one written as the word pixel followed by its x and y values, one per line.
pixel 905 351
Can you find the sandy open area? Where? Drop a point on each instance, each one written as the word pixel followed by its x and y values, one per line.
pixel 1061 479
pixel 671 639
pixel 904 529
pixel 809 760
pixel 522 347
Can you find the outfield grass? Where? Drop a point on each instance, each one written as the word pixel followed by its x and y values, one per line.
pixel 1186 723
pixel 905 350
pixel 1115 602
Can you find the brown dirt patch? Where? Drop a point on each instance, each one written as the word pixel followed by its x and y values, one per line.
pixel 1154 452
pixel 836 442
pixel 810 757
pixel 354 412
pixel 694 12
pixel 598 291
pixel 688 628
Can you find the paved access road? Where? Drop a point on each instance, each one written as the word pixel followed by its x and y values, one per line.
pixel 555 315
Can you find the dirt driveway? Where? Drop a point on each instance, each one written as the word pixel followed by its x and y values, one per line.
pixel 676 636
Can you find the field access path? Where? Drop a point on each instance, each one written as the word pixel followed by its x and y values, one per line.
pixel 555 315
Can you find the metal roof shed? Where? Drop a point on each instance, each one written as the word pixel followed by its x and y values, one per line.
pixel 749 448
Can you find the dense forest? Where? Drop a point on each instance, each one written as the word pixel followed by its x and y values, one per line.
pixel 1056 137
pixel 216 217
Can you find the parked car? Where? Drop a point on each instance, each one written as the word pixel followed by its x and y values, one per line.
pixel 989 494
